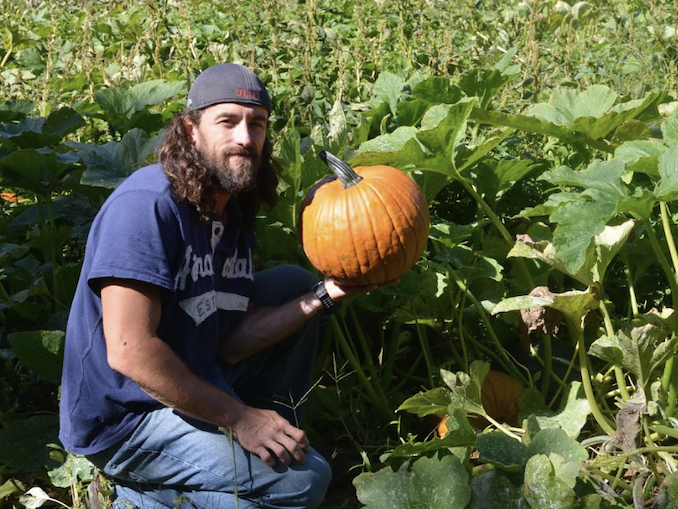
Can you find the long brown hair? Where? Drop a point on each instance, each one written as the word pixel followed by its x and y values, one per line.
pixel 191 181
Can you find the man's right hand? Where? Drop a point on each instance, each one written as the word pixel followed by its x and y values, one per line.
pixel 270 436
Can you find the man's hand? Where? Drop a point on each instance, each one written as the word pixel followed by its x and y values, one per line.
pixel 338 291
pixel 270 436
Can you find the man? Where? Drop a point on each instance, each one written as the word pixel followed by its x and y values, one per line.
pixel 185 373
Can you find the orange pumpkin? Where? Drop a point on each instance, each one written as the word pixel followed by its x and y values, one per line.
pixel 364 226
pixel 499 395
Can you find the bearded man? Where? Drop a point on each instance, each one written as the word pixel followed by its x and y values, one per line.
pixel 185 372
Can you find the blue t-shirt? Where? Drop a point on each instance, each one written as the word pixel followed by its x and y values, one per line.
pixel 205 272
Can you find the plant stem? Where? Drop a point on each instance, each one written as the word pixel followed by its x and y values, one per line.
pixel 490 331
pixel 423 341
pixel 366 351
pixel 618 372
pixel 497 224
pixel 379 403
pixel 666 224
pixel 633 302
pixel 586 380
pixel 547 365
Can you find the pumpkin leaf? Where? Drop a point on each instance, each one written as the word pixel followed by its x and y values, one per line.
pixel 667 497
pixel 460 434
pixel 422 483
pixel 110 164
pixel 555 441
pixel 40 351
pixel 606 245
pixel 503 452
pixel 640 350
pixel 667 188
pixel 489 487
pixel 466 388
pixel 574 304
pixel 24 444
pixel 571 416
pixel 544 486
pixel 432 402
pixel 387 89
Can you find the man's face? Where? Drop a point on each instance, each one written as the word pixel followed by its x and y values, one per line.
pixel 230 139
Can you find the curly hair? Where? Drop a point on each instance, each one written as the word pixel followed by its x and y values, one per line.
pixel 191 180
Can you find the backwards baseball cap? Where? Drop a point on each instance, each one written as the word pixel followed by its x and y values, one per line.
pixel 227 83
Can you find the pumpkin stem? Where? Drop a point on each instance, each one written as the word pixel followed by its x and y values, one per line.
pixel 343 171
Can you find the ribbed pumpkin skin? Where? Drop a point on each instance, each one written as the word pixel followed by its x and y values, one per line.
pixel 370 233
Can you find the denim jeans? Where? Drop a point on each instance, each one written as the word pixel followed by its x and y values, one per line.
pixel 172 461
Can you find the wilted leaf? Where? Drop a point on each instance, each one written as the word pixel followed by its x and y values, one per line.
pixel 628 418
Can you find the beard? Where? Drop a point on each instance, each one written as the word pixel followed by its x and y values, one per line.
pixel 235 175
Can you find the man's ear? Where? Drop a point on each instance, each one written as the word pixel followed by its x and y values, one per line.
pixel 189 126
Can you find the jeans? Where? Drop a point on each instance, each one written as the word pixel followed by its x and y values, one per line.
pixel 173 461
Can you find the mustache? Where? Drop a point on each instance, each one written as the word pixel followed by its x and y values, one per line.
pixel 242 151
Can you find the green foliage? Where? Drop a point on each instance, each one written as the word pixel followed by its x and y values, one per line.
pixel 544 136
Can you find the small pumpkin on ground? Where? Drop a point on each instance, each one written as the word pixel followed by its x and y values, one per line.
pixel 364 226
pixel 499 395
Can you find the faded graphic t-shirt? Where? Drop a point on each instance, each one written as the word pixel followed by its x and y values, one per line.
pixel 205 272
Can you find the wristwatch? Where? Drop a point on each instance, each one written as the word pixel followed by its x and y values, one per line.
pixel 321 292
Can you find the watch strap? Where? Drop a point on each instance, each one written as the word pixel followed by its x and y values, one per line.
pixel 327 301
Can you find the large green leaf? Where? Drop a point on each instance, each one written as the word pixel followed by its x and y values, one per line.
pixel 504 452
pixel 119 101
pixel 604 248
pixel 432 402
pixel 555 441
pixel 667 187
pixel 667 497
pixel 571 415
pixel 460 433
pixel 466 387
pixel 387 89
pixel 491 487
pixel 110 164
pixel 40 351
pixel 641 350
pixel 423 483
pixel 24 444
pixel 545 486
pixel 566 104
pixel 575 304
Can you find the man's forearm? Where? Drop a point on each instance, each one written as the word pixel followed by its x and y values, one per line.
pixel 264 327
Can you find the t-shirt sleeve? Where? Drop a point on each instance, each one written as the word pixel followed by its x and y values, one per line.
pixel 135 237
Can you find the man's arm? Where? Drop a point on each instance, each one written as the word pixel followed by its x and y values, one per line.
pixel 264 327
pixel 131 315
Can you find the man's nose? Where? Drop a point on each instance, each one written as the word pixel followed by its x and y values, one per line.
pixel 242 135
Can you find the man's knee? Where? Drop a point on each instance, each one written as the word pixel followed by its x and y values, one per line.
pixel 303 487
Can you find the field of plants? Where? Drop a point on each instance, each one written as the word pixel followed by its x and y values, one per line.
pixel 528 357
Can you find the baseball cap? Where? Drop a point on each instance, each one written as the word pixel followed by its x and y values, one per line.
pixel 227 83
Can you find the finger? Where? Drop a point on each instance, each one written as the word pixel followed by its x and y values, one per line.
pixel 266 457
pixel 280 451
pixel 295 449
